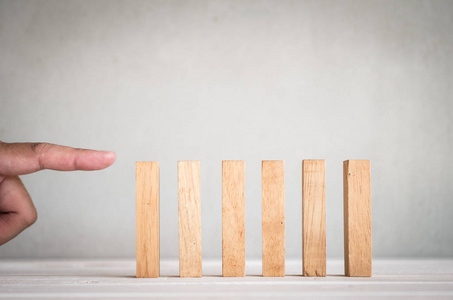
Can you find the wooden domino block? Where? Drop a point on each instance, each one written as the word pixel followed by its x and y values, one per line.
pixel 233 218
pixel 273 218
pixel 147 218
pixel 314 217
pixel 189 219
pixel 357 218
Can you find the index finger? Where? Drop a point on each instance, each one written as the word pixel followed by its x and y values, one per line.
pixel 25 158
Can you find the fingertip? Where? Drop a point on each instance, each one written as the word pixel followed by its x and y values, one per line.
pixel 109 157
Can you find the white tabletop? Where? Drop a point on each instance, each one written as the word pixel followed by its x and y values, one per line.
pixel 115 279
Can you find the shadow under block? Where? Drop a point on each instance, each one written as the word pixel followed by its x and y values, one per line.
pixel 273 218
pixel 147 218
pixel 314 217
pixel 357 218
pixel 233 218
pixel 189 218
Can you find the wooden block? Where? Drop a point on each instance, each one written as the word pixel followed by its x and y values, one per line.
pixel 233 218
pixel 273 211
pixel 357 218
pixel 147 218
pixel 314 217
pixel 189 219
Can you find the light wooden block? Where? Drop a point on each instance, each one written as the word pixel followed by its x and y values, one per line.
pixel 189 206
pixel 314 217
pixel 233 218
pixel 273 218
pixel 147 219
pixel 357 218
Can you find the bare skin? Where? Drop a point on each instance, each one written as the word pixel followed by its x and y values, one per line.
pixel 17 211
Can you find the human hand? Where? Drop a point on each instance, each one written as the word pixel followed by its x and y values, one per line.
pixel 17 211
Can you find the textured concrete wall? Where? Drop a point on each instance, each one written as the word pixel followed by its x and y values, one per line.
pixel 213 80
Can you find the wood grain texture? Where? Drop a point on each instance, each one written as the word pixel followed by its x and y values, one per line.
pixel 147 219
pixel 314 217
pixel 233 218
pixel 189 207
pixel 357 218
pixel 273 218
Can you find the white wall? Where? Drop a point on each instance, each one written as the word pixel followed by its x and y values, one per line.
pixel 213 80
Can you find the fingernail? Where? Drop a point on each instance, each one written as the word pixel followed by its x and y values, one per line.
pixel 109 154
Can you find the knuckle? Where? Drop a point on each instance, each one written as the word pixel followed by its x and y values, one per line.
pixel 30 217
pixel 39 147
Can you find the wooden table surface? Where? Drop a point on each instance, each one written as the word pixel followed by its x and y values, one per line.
pixel 115 279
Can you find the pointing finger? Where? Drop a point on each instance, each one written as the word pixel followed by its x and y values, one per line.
pixel 25 158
